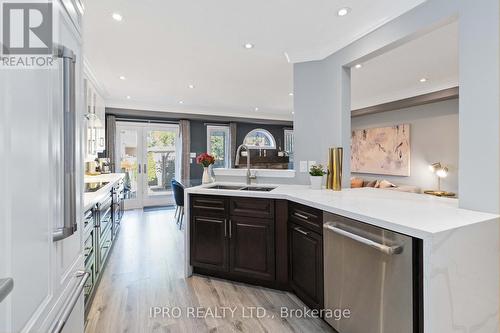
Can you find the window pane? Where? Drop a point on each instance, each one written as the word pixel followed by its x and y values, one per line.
pixel 260 138
pixel 160 161
pixel 218 145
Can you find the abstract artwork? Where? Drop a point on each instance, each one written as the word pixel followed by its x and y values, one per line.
pixel 383 151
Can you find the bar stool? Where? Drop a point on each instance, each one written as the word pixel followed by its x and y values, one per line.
pixel 178 192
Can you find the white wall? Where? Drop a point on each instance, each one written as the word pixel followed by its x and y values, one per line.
pixel 433 138
pixel 322 93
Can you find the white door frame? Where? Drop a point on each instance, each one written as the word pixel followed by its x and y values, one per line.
pixel 142 198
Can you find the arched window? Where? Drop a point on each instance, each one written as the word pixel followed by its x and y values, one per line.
pixel 260 139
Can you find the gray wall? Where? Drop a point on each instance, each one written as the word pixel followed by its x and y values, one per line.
pixel 322 93
pixel 199 139
pixel 198 146
pixel 433 138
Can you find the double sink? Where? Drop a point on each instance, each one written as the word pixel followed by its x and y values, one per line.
pixel 242 188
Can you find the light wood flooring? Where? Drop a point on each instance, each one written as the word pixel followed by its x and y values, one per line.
pixel 145 269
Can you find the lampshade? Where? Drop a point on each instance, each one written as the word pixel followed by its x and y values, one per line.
pixel 442 172
pixel 435 166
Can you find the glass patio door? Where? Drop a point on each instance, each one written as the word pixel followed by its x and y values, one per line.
pixel 147 154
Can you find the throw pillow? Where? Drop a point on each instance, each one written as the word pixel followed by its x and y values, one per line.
pixel 370 183
pixel 356 182
pixel 386 184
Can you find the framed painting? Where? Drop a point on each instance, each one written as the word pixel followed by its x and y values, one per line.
pixel 382 150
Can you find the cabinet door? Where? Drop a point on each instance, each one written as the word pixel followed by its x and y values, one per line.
pixel 252 247
pixel 209 242
pixel 306 265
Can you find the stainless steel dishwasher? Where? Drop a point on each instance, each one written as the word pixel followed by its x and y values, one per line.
pixel 369 272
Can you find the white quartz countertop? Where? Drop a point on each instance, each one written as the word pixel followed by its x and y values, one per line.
pixel 91 198
pixel 417 215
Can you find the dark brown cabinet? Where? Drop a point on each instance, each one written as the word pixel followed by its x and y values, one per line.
pixel 252 247
pixel 306 254
pixel 306 265
pixel 209 243
pixel 225 238
pixel 252 207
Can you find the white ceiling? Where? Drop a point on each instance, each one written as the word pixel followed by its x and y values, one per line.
pixel 162 46
pixel 396 74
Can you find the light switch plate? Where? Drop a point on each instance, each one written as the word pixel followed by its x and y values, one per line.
pixel 310 164
pixel 192 155
pixel 303 166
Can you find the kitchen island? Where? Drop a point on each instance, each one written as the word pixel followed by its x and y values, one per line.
pixel 459 282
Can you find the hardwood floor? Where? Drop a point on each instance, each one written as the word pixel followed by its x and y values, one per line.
pixel 145 274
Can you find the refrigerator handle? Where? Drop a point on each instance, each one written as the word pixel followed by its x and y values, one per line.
pixel 69 144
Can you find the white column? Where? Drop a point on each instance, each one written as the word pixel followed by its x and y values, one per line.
pixel 479 116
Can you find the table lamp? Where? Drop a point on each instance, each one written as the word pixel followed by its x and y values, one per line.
pixel 441 171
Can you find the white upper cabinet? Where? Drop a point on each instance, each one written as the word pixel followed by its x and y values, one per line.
pixel 96 131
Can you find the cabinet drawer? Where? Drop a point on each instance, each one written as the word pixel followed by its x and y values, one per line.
pixel 105 245
pixel 252 207
pixel 209 204
pixel 88 220
pixel 88 246
pixel 89 284
pixel 307 217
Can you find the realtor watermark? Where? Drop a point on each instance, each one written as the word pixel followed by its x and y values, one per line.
pixel 27 35
pixel 247 312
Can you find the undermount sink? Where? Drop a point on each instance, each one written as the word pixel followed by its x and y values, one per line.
pixel 242 188
pixel 258 188
pixel 225 187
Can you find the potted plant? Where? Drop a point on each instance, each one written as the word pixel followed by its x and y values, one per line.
pixel 206 160
pixel 316 174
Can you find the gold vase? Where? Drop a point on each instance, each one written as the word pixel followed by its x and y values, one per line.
pixel 334 179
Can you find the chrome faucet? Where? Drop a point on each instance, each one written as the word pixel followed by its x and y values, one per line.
pixel 237 162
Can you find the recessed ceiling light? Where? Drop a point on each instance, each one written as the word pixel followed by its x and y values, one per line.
pixel 343 11
pixel 248 46
pixel 181 102
pixel 128 97
pixel 290 94
pixel 123 78
pixel 293 112
pixel 256 109
pixel 191 86
pixel 423 80
pixel 358 66
pixel 117 17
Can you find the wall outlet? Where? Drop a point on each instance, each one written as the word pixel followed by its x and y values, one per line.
pixel 192 155
pixel 303 166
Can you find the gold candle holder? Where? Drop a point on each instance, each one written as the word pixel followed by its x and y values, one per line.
pixel 334 179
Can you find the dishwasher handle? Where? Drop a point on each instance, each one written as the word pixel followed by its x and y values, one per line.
pixel 389 250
